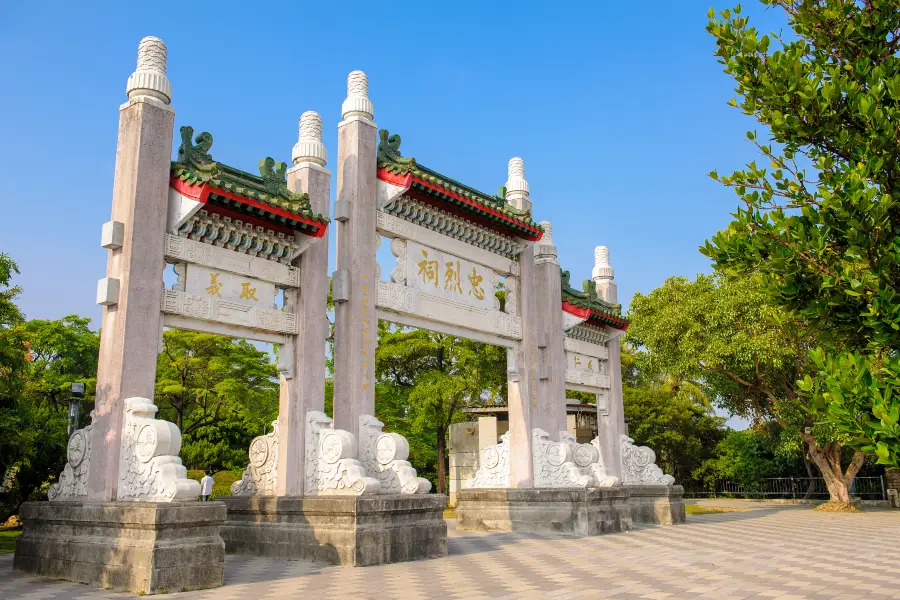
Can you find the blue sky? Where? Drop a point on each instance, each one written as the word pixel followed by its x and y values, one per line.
pixel 618 108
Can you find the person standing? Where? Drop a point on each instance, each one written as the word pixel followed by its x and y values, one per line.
pixel 206 487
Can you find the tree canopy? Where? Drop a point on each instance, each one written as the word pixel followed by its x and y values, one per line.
pixel 47 356
pixel 423 382
pixel 680 430
pixel 819 221
pixel 728 337
pixel 221 392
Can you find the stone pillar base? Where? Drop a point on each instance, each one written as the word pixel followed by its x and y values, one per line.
pixel 659 504
pixel 141 547
pixel 344 530
pixel 565 511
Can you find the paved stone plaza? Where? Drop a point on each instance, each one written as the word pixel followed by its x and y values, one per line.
pixel 761 552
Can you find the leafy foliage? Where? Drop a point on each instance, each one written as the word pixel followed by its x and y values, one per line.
pixel 221 392
pixel 723 338
pixel 681 432
pixel 819 225
pixel 743 457
pixel 727 338
pixel 42 360
pixel 424 380
pixel 861 404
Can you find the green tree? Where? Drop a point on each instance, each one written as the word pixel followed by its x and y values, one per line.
pixel 12 366
pixel 743 457
pixel 819 222
pixel 61 352
pixel 56 353
pixel 681 432
pixel 423 382
pixel 220 392
pixel 745 352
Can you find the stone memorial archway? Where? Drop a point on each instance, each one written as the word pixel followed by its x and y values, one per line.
pixel 340 491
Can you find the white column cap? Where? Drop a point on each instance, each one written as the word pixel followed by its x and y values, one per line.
pixel 602 270
pixel 515 182
pixel 545 249
pixel 309 147
pixel 357 103
pixel 149 79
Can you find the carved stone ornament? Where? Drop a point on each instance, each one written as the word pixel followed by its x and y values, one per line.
pixel 261 475
pixel 72 484
pixel 639 465
pixel 149 467
pixel 493 468
pixel 553 463
pixel 384 457
pixel 512 296
pixel 208 308
pixel 331 465
pixel 398 249
pixel 396 297
pixel 594 466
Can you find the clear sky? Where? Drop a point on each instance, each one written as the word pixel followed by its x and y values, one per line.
pixel 618 108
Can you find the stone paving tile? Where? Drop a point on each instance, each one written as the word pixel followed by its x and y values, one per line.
pixel 762 553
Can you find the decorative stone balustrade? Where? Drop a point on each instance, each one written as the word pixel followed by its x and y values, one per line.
pixel 553 463
pixel 261 475
pixel 384 457
pixel 331 464
pixel 639 465
pixel 493 466
pixel 72 484
pixel 149 467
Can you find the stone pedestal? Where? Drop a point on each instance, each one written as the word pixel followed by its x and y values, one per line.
pixel 345 530
pixel 564 511
pixel 141 547
pixel 659 504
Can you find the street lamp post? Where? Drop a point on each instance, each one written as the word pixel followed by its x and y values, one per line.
pixel 77 393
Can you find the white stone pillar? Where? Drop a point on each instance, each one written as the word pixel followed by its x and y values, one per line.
pixel 355 281
pixel 612 424
pixel 132 290
pixel 522 362
pixel 303 370
pixel 551 385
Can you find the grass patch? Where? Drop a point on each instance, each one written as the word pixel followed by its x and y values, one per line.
pixel 8 540
pixel 699 509
pixel 449 513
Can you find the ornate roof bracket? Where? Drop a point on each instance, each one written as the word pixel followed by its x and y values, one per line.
pixel 265 198
pixel 589 306
pixel 430 187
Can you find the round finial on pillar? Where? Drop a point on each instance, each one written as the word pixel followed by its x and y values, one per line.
pixel 149 79
pixel 516 186
pixel 602 270
pixel 357 103
pixel 547 238
pixel 545 250
pixel 309 147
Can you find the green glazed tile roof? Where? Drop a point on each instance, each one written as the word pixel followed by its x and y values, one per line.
pixel 390 159
pixel 589 299
pixel 196 166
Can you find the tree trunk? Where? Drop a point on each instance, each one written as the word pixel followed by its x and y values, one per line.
pixel 441 459
pixel 809 472
pixel 828 459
